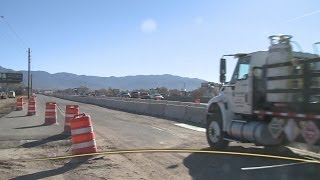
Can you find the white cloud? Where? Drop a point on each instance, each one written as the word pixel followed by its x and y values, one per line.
pixel 199 20
pixel 149 26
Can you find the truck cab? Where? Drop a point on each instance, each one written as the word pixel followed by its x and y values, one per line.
pixel 262 81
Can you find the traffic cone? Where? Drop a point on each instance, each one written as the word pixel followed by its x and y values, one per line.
pixel 19 104
pixel 71 111
pixel 51 113
pixel 82 135
pixel 31 107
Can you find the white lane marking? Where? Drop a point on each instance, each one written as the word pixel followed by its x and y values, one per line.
pixel 157 128
pixel 60 110
pixel 273 166
pixel 187 126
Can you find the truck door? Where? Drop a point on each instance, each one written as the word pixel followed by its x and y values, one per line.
pixel 242 90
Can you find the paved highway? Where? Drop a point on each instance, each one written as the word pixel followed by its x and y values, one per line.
pixel 24 137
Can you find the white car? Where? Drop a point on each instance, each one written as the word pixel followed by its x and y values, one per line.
pixel 157 96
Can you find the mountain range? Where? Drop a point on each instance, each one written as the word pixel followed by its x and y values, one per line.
pixel 45 80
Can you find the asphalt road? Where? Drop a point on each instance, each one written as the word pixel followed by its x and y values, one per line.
pixel 27 137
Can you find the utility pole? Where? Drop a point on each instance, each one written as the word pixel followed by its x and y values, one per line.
pixel 29 62
pixel 31 84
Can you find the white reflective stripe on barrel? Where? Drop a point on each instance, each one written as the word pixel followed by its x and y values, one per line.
pixel 51 117
pixel 84 144
pixel 70 115
pixel 67 124
pixel 301 115
pixel 51 110
pixel 81 131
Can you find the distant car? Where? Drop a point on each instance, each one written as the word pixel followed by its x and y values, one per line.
pixel 135 94
pixel 3 95
pixel 11 94
pixel 145 95
pixel 157 96
pixel 125 95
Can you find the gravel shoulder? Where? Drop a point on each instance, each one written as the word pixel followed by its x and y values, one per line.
pixel 6 106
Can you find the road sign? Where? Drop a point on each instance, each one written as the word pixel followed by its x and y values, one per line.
pixel 311 133
pixel 276 127
pixel 291 130
pixel 11 77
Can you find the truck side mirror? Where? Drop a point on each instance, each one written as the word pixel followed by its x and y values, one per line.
pixel 223 70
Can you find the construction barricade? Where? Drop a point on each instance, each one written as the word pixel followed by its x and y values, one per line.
pixel 19 104
pixel 51 113
pixel 71 111
pixel 33 98
pixel 31 107
pixel 82 135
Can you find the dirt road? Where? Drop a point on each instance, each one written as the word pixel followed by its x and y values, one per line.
pixel 26 137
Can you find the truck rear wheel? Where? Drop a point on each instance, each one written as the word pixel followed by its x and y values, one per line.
pixel 214 132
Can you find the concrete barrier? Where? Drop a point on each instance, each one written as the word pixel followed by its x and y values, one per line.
pixel 175 111
pixel 91 100
pixel 184 111
pixel 107 103
pixel 156 109
pixel 130 106
pixel 123 105
pixel 141 107
pixel 102 102
pixel 195 114
pixel 117 104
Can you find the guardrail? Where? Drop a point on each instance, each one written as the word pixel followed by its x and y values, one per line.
pixel 180 111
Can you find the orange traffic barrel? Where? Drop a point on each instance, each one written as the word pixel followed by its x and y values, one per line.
pixel 71 111
pixel 82 135
pixel 197 101
pixel 33 98
pixel 31 107
pixel 19 104
pixel 51 113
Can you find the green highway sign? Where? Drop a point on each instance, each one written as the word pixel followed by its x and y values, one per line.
pixel 11 77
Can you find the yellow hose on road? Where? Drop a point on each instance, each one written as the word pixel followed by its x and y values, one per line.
pixel 170 151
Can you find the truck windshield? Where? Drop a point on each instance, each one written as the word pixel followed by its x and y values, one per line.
pixel 241 71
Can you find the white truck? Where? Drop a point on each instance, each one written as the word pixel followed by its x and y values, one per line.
pixel 273 98
pixel 12 94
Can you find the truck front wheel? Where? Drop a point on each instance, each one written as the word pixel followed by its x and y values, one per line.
pixel 214 132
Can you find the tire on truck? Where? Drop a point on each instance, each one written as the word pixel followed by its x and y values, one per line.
pixel 214 130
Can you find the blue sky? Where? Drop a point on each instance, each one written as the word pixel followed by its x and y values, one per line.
pixel 134 37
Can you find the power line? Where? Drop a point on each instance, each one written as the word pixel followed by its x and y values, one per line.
pixel 6 36
pixel 14 32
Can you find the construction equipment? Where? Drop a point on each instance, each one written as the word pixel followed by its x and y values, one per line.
pixel 273 98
